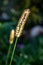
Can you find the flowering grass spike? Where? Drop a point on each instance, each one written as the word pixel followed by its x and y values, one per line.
pixel 22 22
pixel 12 36
pixel 11 42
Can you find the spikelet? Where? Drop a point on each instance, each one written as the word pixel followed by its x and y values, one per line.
pixel 22 22
pixel 12 36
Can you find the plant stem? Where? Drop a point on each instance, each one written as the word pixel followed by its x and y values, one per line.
pixel 13 51
pixel 8 55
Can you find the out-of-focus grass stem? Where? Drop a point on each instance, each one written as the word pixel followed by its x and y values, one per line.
pixel 8 55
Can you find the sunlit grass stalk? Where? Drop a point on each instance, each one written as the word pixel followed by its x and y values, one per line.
pixel 13 51
pixel 19 29
pixel 11 42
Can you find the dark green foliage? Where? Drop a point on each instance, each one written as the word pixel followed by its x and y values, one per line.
pixel 29 52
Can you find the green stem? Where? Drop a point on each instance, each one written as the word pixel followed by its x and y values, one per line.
pixel 8 55
pixel 13 51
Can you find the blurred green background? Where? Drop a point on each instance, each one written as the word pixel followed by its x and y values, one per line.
pixel 29 50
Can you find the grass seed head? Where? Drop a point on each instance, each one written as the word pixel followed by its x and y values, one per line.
pixel 22 22
pixel 12 34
